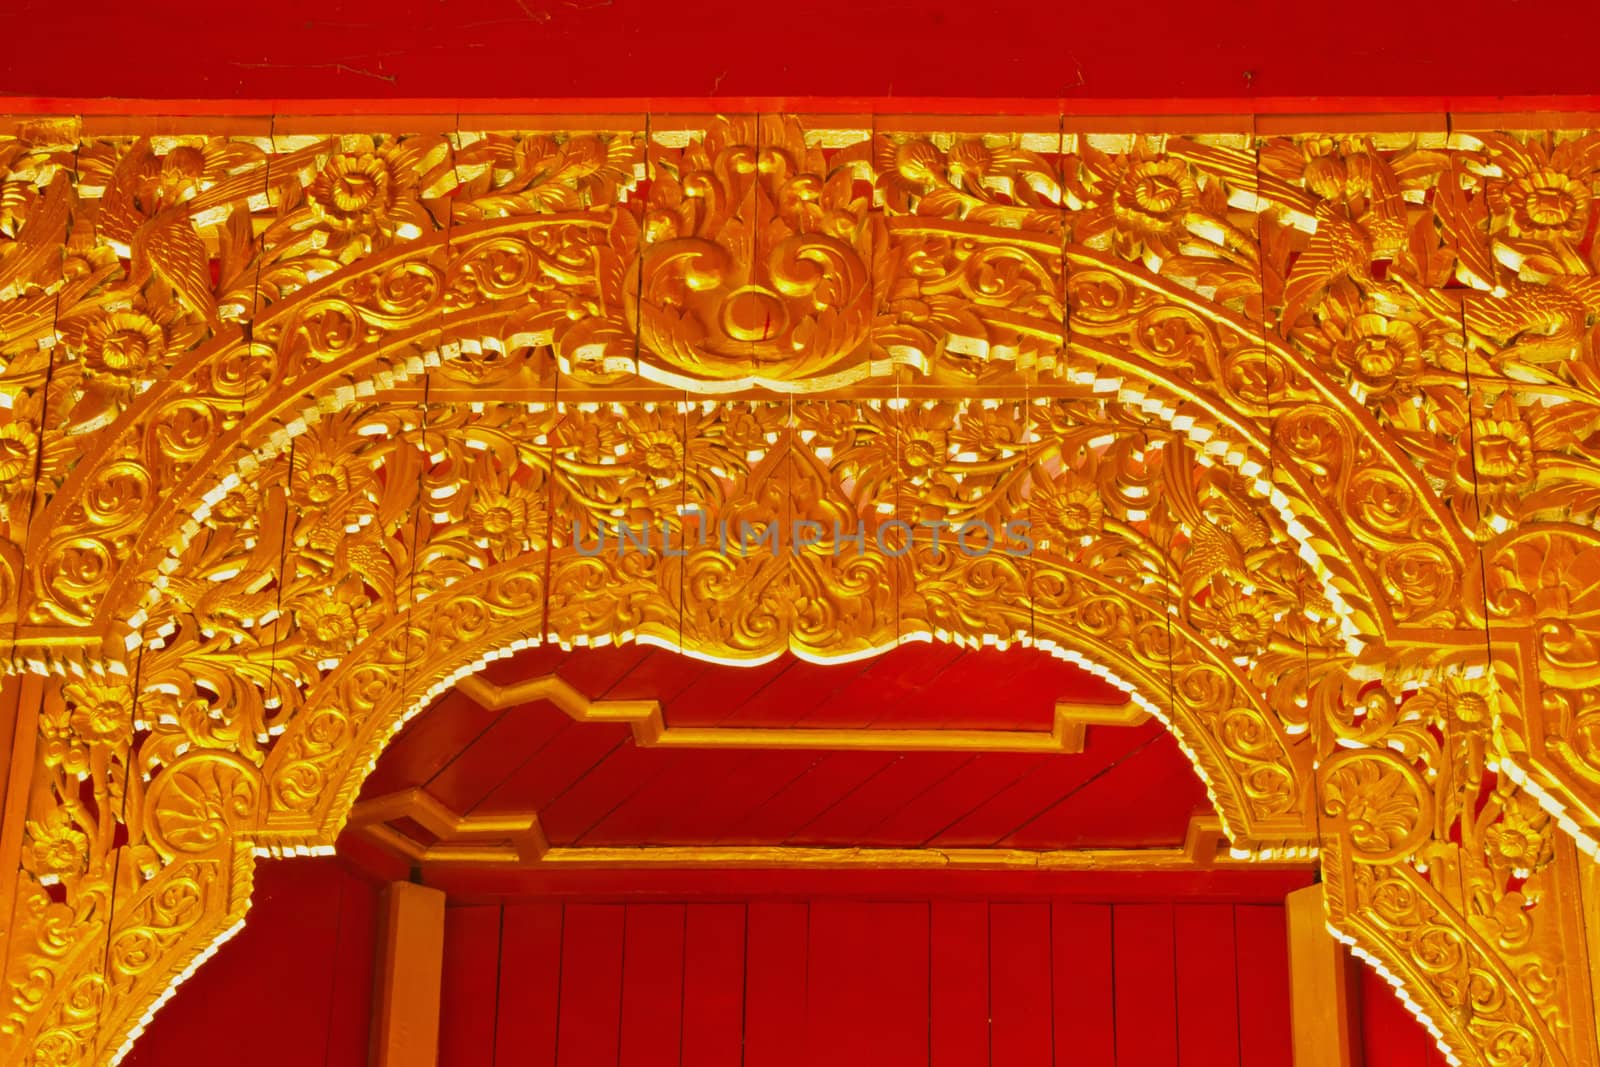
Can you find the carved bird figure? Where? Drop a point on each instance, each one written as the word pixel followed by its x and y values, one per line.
pixel 1340 248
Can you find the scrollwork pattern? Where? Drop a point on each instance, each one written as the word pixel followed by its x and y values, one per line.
pixel 296 431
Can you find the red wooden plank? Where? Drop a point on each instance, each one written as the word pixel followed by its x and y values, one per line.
pixel 1454 66
pixel 658 675
pixel 1055 777
pixel 551 770
pixel 1147 1012
pixel 496 753
pixel 959 984
pixel 793 693
pixel 428 743
pixel 885 679
pixel 529 663
pixel 712 815
pixel 1143 802
pixel 1208 1002
pixel 985 690
pixel 591 985
pixel 1048 680
pixel 467 986
pixel 589 798
pixel 775 985
pixel 530 991
pixel 595 671
pixel 663 808
pixel 278 967
pixel 1261 932
pixel 833 785
pixel 1081 962
pixel 714 695
pixel 852 819
pixel 808 796
pixel 838 1027
pixel 350 1008
pixel 937 694
pixel 1390 1035
pixel 1021 1015
pixel 976 782
pixel 652 986
pixel 894 962
pixel 713 985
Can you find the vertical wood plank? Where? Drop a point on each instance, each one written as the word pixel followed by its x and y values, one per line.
pixel 1264 1029
pixel 775 986
pixel 894 962
pixel 652 986
pixel 469 986
pixel 1085 1016
pixel 832 984
pixel 591 985
pixel 1020 1015
pixel 713 985
pixel 1208 1002
pixel 350 1007
pixel 1321 986
pixel 1147 1011
pixel 406 1030
pixel 869 983
pixel 530 991
pixel 959 984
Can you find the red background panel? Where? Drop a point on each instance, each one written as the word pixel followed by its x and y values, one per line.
pixel 529 999
pixel 958 987
pixel 652 986
pixel 902 983
pixel 1205 957
pixel 1083 981
pixel 1021 1019
pixel 643 981
pixel 1390 1037
pixel 400 50
pixel 1261 940
pixel 591 985
pixel 592 786
pixel 469 982
pixel 713 984
pixel 776 1005
pixel 292 989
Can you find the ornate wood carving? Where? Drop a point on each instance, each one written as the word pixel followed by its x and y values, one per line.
pixel 297 432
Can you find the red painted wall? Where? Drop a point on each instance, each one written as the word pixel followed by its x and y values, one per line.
pixel 1390 1036
pixel 765 981
pixel 795 983
pixel 292 989
pixel 369 50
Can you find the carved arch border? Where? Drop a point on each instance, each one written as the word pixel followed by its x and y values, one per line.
pixel 1438 946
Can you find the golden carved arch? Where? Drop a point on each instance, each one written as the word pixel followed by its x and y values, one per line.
pixel 298 431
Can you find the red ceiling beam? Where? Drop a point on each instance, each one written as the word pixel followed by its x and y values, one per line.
pixel 998 56
pixel 466 885
pixel 1560 110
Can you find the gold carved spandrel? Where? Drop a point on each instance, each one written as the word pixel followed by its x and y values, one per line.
pixel 970 267
pixel 1297 424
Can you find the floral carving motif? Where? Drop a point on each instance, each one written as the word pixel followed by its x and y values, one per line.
pixel 1303 430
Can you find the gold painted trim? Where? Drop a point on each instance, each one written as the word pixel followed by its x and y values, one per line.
pixel 650 729
pixel 1322 988
pixel 405 1024
pixel 516 840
